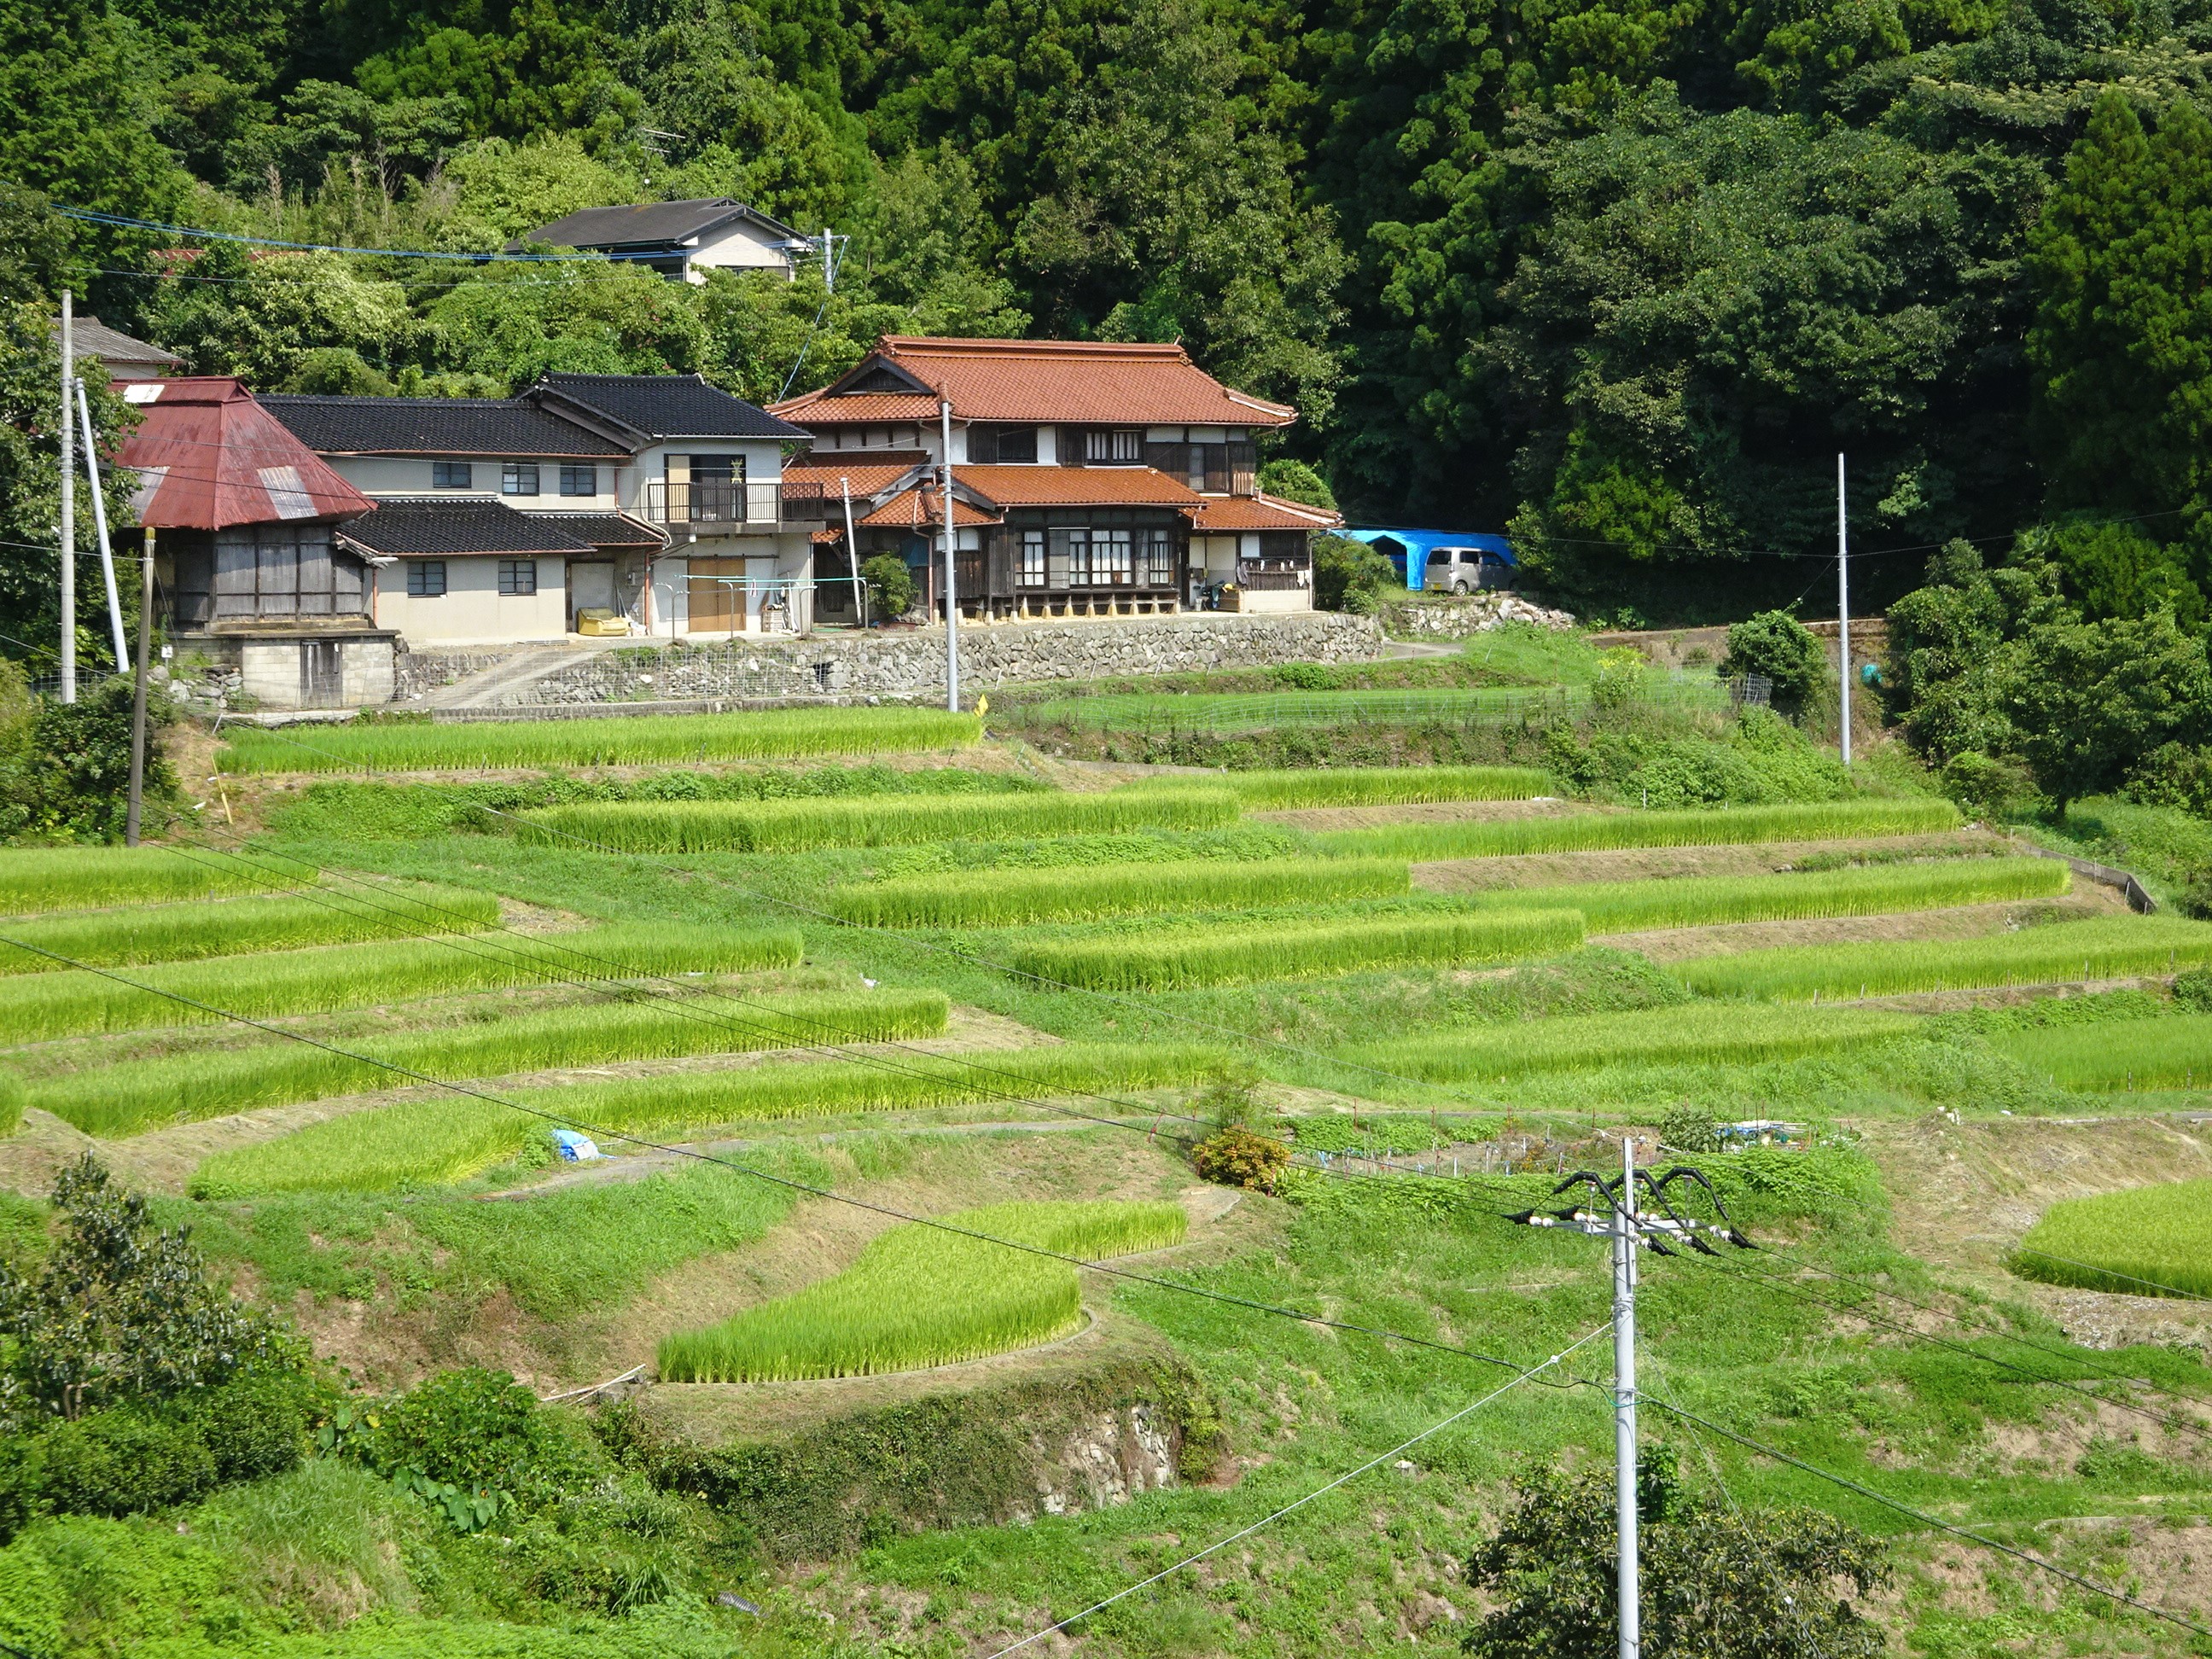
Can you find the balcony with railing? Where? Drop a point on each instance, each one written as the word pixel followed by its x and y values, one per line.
pixel 734 503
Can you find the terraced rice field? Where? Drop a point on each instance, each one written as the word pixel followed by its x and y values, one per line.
pixel 1002 897
pixel 2172 1053
pixel 2145 1241
pixel 1381 785
pixel 188 931
pixel 920 1296
pixel 1594 831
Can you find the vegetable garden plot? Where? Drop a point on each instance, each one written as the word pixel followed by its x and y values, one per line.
pixel 1377 785
pixel 33 878
pixel 39 1007
pixel 920 1296
pixel 1596 831
pixel 999 897
pixel 453 1137
pixel 136 1095
pixel 191 932
pixel 2105 948
pixel 633 740
pixel 2175 1052
pixel 1626 906
pixel 2134 1242
pixel 1695 1034
pixel 792 826
pixel 1223 955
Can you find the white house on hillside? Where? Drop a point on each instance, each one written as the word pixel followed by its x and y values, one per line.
pixel 682 238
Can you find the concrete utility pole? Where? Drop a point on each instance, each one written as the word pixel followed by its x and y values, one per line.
pixel 1667 1231
pixel 853 558
pixel 69 502
pixel 952 552
pixel 133 812
pixel 99 524
pixel 1843 605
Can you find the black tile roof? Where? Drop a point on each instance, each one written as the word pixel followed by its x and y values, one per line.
pixel 668 405
pixel 410 525
pixel 433 426
pixel 605 529
pixel 653 224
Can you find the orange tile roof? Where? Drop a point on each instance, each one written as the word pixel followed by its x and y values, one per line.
pixel 1261 512
pixel 867 479
pixel 1078 382
pixel 1076 486
pixel 918 509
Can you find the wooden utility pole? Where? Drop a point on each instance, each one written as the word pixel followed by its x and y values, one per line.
pixel 134 811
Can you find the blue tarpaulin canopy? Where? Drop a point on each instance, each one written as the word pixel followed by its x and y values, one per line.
pixel 1409 549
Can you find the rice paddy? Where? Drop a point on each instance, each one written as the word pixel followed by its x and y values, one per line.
pixel 2105 948
pixel 450 1137
pixel 1586 832
pixel 1707 1034
pixel 1381 786
pixel 1005 897
pixel 796 826
pixel 918 1296
pixel 1227 956
pixel 40 1007
pixel 136 1095
pixel 2145 1241
pixel 1868 890
pixel 186 932
pixel 770 734
pixel 35 878
pixel 2170 1052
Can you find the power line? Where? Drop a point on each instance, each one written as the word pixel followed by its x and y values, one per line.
pixel 2132 1278
pixel 121 222
pixel 1214 1548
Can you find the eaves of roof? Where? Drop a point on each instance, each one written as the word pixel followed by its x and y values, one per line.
pixel 1262 513
pixel 407 526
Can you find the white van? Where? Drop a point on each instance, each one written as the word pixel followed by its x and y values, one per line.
pixel 1464 570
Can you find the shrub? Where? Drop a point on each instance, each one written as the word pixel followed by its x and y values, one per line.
pixel 122 1463
pixel 1775 644
pixel 1236 1156
pixel 1987 786
pixel 2193 989
pixel 1690 1129
pixel 31 1603
pixel 1294 481
pixel 72 781
pixel 890 585
pixel 257 1425
pixel 478 1430
pixel 1344 568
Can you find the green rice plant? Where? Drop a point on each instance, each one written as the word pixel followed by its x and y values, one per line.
pixel 1620 907
pixel 1000 897
pixel 40 1007
pixel 631 740
pixel 2145 1241
pixel 920 1296
pixel 1584 832
pixel 11 1103
pixel 1379 786
pixel 1693 1034
pixel 450 1138
pixel 2105 948
pixel 791 826
pixel 1226 956
pixel 188 933
pixel 33 878
pixel 2174 1052
pixel 136 1095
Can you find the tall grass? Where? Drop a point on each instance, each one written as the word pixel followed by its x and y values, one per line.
pixel 1225 955
pixel 999 897
pixel 188 933
pixel 1379 786
pixel 633 740
pixel 1695 1034
pixel 136 1095
pixel 918 1296
pixel 2134 1241
pixel 2172 1053
pixel 1617 907
pixel 790 826
pixel 1584 832
pixel 39 1007
pixel 35 878
pixel 452 1137
pixel 2105 948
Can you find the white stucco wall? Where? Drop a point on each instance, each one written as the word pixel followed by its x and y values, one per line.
pixel 409 474
pixel 472 610
pixel 740 247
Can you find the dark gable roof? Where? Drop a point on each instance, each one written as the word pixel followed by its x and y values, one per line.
pixel 605 529
pixel 90 337
pixel 653 224
pixel 434 426
pixel 667 405
pixel 408 525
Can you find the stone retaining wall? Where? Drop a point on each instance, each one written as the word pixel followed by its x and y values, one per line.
pixel 414 672
pixel 912 665
pixel 1442 618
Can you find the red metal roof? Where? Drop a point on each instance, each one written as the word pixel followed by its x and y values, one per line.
pixel 1079 381
pixel 1261 512
pixel 208 457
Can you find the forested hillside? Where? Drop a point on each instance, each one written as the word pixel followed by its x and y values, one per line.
pixel 1622 276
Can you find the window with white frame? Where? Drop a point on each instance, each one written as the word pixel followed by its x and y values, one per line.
pixel 1157 553
pixel 517 576
pixel 1033 559
pixel 1111 562
pixel 519 478
pixel 1112 445
pixel 426 579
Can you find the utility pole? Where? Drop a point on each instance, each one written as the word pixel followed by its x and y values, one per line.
pixel 100 525
pixel 133 813
pixel 853 558
pixel 951 549
pixel 1664 1231
pixel 1625 1242
pixel 1843 605
pixel 69 502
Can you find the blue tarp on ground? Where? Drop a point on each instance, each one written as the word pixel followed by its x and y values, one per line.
pixel 1419 543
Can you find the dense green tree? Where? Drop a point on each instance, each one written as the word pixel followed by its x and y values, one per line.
pixel 2089 698
pixel 1775 645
